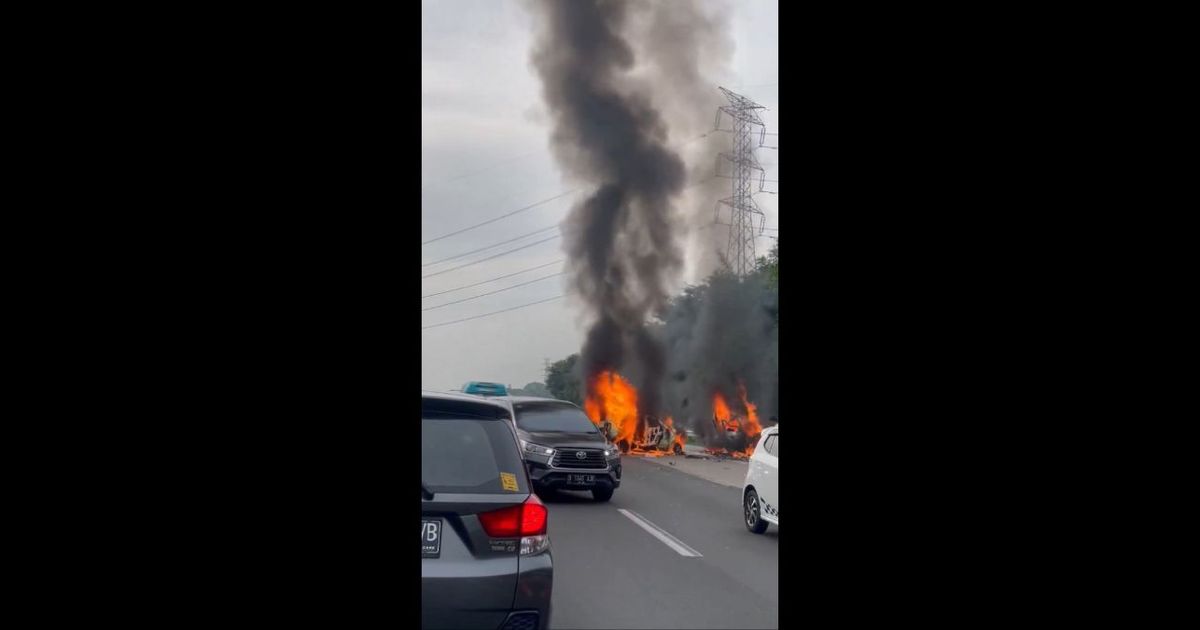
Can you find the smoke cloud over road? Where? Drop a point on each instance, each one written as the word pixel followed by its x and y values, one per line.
pixel 627 86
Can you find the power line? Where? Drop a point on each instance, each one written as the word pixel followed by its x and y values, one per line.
pixel 510 160
pixel 553 275
pixel 503 253
pixel 503 216
pixel 468 286
pixel 482 170
pixel 533 205
pixel 467 319
pixel 489 246
pixel 711 225
pixel 769 133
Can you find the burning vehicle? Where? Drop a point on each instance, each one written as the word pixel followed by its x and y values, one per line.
pixel 657 438
pixel 664 436
pixel 612 405
pixel 736 432
pixel 654 436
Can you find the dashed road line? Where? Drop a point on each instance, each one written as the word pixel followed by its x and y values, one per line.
pixel 667 539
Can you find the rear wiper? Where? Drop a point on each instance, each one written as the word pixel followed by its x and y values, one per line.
pixel 425 493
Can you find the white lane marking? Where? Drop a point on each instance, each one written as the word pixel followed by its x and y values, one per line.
pixel 661 534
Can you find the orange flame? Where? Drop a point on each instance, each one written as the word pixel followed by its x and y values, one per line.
pixel 679 441
pixel 611 397
pixel 722 417
pixel 752 427
pixel 726 420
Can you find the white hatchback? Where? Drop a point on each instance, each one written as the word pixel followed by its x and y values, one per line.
pixel 760 492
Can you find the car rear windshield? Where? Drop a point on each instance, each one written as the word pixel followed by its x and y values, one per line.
pixel 553 418
pixel 470 455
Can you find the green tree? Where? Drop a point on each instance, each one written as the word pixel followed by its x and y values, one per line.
pixel 563 381
pixel 768 266
pixel 536 389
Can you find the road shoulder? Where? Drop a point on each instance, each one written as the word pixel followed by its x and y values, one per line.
pixel 726 472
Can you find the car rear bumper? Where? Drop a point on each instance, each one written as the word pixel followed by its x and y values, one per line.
pixel 458 601
pixel 534 587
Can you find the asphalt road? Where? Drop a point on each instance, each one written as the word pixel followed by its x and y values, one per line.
pixel 610 572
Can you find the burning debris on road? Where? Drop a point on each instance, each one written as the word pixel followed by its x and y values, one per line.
pixel 612 404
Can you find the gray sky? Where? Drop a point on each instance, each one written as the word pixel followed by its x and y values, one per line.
pixel 485 153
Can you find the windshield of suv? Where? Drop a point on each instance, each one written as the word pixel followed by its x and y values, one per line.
pixel 552 417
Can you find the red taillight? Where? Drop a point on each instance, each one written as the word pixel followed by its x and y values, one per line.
pixel 527 519
pixel 533 517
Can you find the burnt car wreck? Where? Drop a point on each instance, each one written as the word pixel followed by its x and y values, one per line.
pixel 653 436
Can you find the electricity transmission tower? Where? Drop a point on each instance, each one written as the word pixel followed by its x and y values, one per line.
pixel 739 252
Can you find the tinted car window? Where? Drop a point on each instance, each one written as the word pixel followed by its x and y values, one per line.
pixel 552 417
pixel 775 445
pixel 468 455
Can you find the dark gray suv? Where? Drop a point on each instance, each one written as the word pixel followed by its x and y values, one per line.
pixel 563 449
pixel 485 553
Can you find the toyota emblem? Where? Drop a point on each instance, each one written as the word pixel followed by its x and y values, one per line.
pixel 580 455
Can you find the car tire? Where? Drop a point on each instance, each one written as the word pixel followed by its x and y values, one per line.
pixel 602 494
pixel 751 514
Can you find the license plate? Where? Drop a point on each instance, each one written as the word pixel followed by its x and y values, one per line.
pixel 582 480
pixel 431 538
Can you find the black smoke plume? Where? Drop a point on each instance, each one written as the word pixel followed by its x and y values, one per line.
pixel 623 250
pixel 630 89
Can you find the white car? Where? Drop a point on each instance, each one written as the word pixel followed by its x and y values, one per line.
pixel 760 492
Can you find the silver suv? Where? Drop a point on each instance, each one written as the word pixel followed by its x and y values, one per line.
pixel 485 552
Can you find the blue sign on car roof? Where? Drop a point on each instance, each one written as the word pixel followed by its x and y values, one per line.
pixel 485 389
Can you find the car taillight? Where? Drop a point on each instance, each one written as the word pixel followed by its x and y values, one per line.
pixel 527 519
